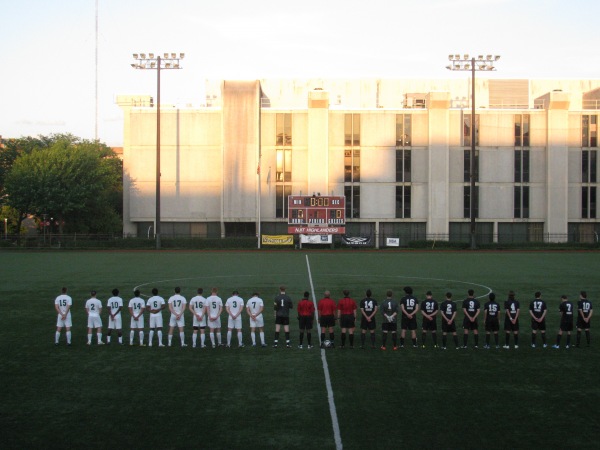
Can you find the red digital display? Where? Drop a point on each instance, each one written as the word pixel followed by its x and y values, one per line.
pixel 308 212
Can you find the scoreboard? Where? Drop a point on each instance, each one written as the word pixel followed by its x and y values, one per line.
pixel 316 214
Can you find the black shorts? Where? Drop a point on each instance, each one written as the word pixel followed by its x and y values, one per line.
pixel 468 325
pixel 305 322
pixel 347 321
pixel 581 324
pixel 449 327
pixel 566 325
pixel 509 326
pixel 492 325
pixel 280 320
pixel 327 321
pixel 429 325
pixel 408 324
pixel 366 325
pixel 389 326
pixel 535 325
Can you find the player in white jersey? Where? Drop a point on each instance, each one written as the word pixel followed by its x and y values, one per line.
pixel 177 307
pixel 137 306
pixel 62 305
pixel 93 307
pixel 198 309
pixel 214 307
pixel 115 306
pixel 155 305
pixel 254 308
pixel 234 306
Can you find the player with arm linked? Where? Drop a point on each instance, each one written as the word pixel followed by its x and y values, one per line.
pixel 584 316
pixel 389 310
pixel 346 310
pixel 491 313
pixel 368 310
pixel 62 306
pixel 115 322
pixel 93 307
pixel 538 311
pixel 255 307
pixel 137 306
pixel 511 320
pixel 448 309
pixel 214 308
pixel 198 309
pixel 566 321
pixel 471 310
pixel 155 305
pixel 326 308
pixel 234 306
pixel 282 305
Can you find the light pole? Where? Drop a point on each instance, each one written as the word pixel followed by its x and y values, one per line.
pixel 150 62
pixel 464 63
pixel 5 228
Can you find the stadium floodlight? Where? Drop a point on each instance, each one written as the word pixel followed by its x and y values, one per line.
pixel 157 63
pixel 473 65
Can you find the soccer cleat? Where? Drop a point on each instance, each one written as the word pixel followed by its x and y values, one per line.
pixel 532 345
pixel 203 346
pixel 184 345
pixel 228 346
pixel 288 345
pixel 89 343
pixel 241 346
pixel 161 345
pixel 415 346
pixel 556 346
pixel 464 346
pixel 253 345
pixel 486 346
pixel 300 347
pixel 497 346
pixel 443 348
pixel 56 343
pixel 476 347
pixel 382 347
pixel 566 346
pixel 263 345
pixel 395 348
pixel 516 347
pixel 150 344
pixel 142 344
pixel 422 346
pixel 309 347
pixel 545 345
pixel 100 343
pixel 506 347
pixel 275 346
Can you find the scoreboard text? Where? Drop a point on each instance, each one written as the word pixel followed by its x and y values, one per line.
pixel 312 214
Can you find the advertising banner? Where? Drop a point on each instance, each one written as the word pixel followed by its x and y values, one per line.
pixel 392 242
pixel 281 239
pixel 357 241
pixel 316 239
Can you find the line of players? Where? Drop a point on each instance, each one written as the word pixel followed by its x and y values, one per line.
pixel 207 314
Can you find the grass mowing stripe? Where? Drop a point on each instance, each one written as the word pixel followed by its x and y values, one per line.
pixel 334 419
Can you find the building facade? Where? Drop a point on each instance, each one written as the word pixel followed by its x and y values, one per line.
pixel 398 150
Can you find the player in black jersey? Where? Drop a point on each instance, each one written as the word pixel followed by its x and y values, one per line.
pixel 448 313
pixel 471 309
pixel 368 310
pixel 409 306
pixel 511 320
pixel 429 310
pixel 491 311
pixel 566 321
pixel 584 316
pixel 538 311
pixel 389 310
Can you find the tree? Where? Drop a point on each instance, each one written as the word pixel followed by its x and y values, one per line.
pixel 76 182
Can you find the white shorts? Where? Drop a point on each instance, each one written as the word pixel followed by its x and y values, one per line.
pixel 258 323
pixel 234 323
pixel 156 320
pixel 199 323
pixel 137 323
pixel 214 324
pixel 94 322
pixel 64 323
pixel 173 322
pixel 116 323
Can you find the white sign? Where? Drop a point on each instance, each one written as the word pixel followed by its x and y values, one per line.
pixel 392 242
pixel 316 238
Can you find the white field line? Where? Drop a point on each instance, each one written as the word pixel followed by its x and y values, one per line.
pixel 332 411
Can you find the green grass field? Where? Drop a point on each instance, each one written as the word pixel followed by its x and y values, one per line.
pixel 132 397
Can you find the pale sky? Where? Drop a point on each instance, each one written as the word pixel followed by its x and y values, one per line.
pixel 48 70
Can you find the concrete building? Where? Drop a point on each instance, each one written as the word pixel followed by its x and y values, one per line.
pixel 398 150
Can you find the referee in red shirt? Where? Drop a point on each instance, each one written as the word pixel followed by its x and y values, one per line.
pixel 347 316
pixel 326 308
pixel 306 314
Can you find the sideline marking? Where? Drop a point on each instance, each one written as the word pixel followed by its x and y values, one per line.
pixel 332 411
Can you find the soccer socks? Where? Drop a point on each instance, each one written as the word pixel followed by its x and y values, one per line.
pixel 363 338
pixel 322 337
pixel 141 338
pixel 332 337
pixel 516 338
pixel 343 339
pixel 276 340
pixel 351 337
pixel 301 338
pixel 228 338
pixel 99 336
pixel 69 337
pixel 476 337
pixel 194 339
pixel 544 338
pixel 239 336
pixel 89 338
pixel 150 337
pixel 308 338
pixel 159 334
pixel 253 337
pixel 262 337
pixel 568 340
pixel 465 339
pixel 383 339
pixel 423 339
pixel 170 339
pixel 456 340
pixel 212 338
pixel 219 338
pixel 395 339
pixel 182 337
pixel 202 339
pixel 558 338
pixel 131 336
pixel 402 341
pixel 414 341
pixel 506 338
pixel 56 337
pixel 434 337
pixel 444 339
pixel 588 337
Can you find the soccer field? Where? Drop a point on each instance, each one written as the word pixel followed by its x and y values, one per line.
pixel 266 398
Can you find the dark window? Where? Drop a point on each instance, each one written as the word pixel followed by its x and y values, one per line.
pixel 352 194
pixel 467 202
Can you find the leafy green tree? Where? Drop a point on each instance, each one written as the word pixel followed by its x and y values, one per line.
pixel 77 182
